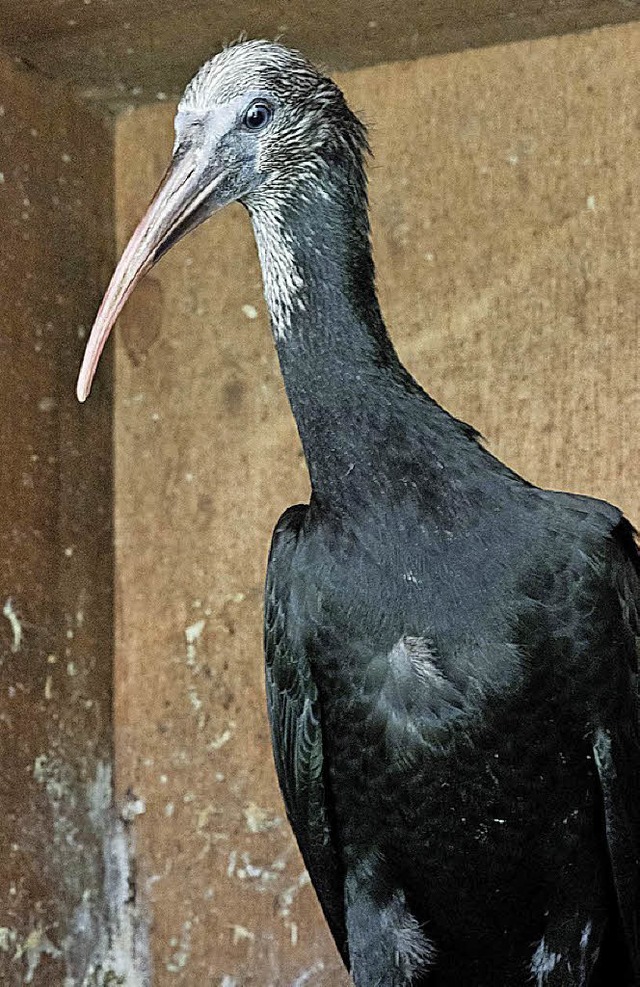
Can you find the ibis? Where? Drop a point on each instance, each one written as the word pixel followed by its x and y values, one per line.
pixel 451 652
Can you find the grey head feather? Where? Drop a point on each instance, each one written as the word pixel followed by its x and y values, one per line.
pixel 316 118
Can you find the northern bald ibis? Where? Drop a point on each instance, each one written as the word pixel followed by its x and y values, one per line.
pixel 451 652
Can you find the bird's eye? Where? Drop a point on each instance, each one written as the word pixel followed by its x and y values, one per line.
pixel 258 115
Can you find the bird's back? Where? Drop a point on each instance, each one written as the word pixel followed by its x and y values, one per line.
pixel 461 672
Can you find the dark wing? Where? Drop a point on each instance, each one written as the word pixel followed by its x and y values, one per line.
pixel 296 730
pixel 617 750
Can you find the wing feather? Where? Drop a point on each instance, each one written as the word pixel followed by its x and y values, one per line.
pixel 617 753
pixel 296 731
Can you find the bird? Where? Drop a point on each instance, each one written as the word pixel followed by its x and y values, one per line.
pixel 451 652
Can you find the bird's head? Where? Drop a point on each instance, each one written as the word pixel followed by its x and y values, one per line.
pixel 255 123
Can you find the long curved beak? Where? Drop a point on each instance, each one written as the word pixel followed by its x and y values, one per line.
pixel 182 201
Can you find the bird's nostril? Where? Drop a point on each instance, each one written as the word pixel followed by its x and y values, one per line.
pixel 189 138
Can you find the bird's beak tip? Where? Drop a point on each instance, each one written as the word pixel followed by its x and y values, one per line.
pixel 84 382
pixel 177 197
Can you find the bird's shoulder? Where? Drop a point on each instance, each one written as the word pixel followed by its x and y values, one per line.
pixel 279 614
pixel 593 557
pixel 485 593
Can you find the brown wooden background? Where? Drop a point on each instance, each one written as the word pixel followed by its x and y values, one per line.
pixel 56 553
pixel 505 195
pixel 505 192
pixel 118 52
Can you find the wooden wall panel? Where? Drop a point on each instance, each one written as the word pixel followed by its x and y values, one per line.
pixel 126 51
pixel 57 905
pixel 506 216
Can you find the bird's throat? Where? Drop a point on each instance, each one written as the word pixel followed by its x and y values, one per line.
pixel 343 379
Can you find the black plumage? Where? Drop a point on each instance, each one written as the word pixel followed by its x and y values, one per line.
pixel 451 652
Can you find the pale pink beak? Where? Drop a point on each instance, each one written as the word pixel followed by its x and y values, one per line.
pixel 174 210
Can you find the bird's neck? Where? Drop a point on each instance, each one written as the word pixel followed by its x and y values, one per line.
pixel 352 399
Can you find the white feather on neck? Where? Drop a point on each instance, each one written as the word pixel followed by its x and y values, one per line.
pixel 283 282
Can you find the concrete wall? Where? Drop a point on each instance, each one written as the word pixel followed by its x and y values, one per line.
pixel 506 216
